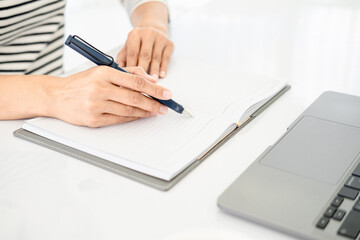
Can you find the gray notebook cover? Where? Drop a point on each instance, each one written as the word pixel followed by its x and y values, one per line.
pixel 132 174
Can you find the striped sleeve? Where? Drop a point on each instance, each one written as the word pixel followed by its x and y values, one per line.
pixel 31 36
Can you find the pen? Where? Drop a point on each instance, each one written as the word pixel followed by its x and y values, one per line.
pixel 100 58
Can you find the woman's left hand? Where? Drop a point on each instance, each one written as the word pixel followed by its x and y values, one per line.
pixel 148 48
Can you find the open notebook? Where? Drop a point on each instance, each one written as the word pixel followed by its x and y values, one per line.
pixel 158 150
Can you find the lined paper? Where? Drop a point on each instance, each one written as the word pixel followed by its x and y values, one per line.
pixel 217 90
pixel 146 145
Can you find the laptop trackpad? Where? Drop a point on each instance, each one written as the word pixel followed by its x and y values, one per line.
pixel 315 148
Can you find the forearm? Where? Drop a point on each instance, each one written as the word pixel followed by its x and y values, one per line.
pixel 151 14
pixel 25 96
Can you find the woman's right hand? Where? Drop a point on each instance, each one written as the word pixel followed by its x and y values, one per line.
pixel 102 96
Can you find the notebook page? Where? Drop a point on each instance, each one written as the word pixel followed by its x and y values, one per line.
pixel 245 107
pixel 160 146
pixel 217 91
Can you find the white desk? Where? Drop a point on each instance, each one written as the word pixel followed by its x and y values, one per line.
pixel 313 44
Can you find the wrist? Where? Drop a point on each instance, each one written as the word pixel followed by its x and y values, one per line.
pixel 157 27
pixel 49 91
pixel 151 14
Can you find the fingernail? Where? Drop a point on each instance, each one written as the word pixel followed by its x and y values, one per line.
pixel 162 74
pixel 167 94
pixel 163 109
pixel 155 77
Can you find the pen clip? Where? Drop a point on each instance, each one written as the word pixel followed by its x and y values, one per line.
pixel 100 61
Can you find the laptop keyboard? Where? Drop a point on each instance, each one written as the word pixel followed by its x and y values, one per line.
pixel 350 226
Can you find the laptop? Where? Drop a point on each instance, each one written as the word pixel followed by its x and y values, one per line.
pixel 307 184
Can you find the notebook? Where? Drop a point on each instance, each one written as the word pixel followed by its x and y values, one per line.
pixel 160 150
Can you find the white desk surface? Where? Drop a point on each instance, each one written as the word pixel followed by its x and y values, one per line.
pixel 315 45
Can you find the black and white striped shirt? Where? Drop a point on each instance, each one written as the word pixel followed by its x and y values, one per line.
pixel 32 35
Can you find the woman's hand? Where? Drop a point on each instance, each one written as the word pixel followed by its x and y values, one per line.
pixel 148 48
pixel 104 96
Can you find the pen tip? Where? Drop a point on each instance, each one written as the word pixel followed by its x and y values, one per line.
pixel 187 113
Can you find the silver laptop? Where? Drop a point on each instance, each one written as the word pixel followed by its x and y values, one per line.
pixel 307 184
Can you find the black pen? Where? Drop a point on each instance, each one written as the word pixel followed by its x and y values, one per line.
pixel 100 58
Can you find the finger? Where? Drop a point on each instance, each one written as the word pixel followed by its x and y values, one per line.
pixel 109 119
pixel 119 109
pixel 156 58
pixel 136 99
pixel 165 60
pixel 138 83
pixel 121 57
pixel 132 49
pixel 141 72
pixel 146 53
